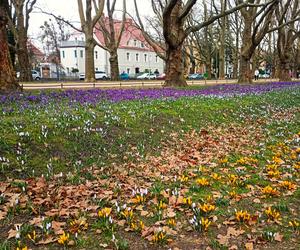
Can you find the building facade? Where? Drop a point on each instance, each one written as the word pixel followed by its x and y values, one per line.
pixel 134 53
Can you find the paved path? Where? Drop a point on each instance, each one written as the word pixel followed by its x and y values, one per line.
pixel 123 84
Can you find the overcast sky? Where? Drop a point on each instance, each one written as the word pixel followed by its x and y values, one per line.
pixel 68 9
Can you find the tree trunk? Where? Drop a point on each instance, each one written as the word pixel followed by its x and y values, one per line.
pixel 174 68
pixel 245 70
pixel 23 59
pixel 22 50
pixel 7 74
pixel 222 40
pixel 89 58
pixel 247 50
pixel 284 71
pixel 208 67
pixel 114 66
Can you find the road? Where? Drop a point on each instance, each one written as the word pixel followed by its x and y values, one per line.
pixel 123 84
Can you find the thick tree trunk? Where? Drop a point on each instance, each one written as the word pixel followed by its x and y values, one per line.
pixel 245 70
pixel 114 66
pixel 208 67
pixel 235 66
pixel 89 58
pixel 22 50
pixel 7 74
pixel 174 68
pixel 222 40
pixel 247 51
pixel 23 59
pixel 193 67
pixel 284 71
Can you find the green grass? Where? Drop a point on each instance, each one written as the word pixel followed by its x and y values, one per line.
pixel 81 141
pixel 138 125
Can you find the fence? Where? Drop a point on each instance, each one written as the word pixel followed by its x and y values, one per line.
pixel 119 84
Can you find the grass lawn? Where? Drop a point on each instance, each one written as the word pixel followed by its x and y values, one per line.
pixel 200 168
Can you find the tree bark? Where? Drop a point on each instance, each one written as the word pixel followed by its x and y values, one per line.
pixel 208 68
pixel 21 37
pixel 114 66
pixel 222 40
pixel 245 70
pixel 284 71
pixel 89 58
pixel 245 75
pixel 7 74
pixel 174 68
pixel 173 29
pixel 23 56
pixel 88 23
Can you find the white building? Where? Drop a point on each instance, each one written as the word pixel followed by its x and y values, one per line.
pixel 134 53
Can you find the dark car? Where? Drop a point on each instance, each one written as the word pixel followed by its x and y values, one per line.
pixel 196 76
pixel 124 76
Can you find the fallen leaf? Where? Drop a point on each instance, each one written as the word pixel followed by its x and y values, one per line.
pixel 57 227
pixel 249 246
pixel 12 233
pixel 223 239
pixel 47 241
pixel 256 200
pixel 278 237
pixel 231 231
pixel 2 215
pixel 144 213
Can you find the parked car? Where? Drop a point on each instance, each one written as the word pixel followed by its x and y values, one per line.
pixel 99 75
pixel 161 76
pixel 264 76
pixel 124 76
pixel 35 75
pixel 196 76
pixel 147 76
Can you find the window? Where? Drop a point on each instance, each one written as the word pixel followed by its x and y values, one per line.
pixel 128 71
pixel 81 53
pixel 96 54
pixel 128 56
pixel 137 57
pixel 75 53
pixel 156 58
pixel 63 54
pixel 135 42
pixel 142 45
pixel 145 57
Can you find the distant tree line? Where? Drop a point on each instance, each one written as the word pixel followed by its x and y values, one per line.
pixel 242 33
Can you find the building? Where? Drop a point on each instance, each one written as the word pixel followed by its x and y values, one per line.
pixel 36 56
pixel 135 55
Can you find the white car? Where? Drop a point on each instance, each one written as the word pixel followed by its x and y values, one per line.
pixel 99 75
pixel 147 76
pixel 35 75
pixel 264 76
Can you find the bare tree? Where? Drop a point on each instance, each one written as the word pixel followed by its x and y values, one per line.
pixel 112 31
pixel 19 24
pixel 7 74
pixel 88 22
pixel 53 33
pixel 256 26
pixel 287 35
pixel 174 19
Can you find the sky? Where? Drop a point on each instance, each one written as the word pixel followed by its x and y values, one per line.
pixel 68 9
